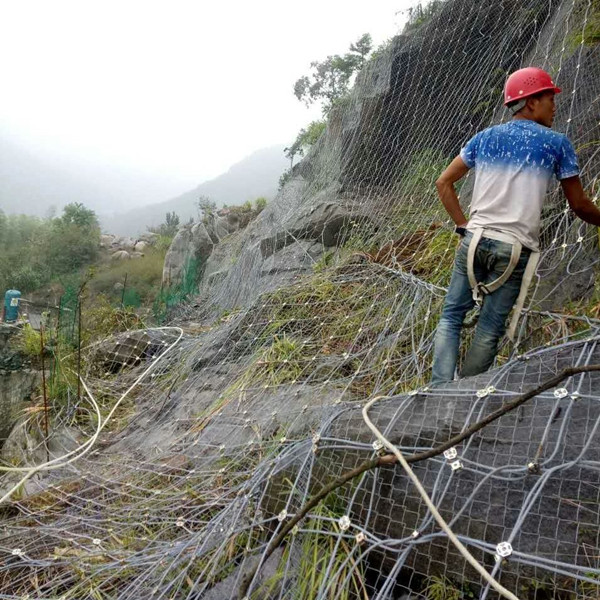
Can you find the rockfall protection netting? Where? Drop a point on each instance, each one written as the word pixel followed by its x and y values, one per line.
pixel 194 446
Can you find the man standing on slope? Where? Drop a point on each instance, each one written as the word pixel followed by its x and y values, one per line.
pixel 497 257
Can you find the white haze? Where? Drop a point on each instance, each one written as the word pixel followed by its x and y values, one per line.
pixel 138 101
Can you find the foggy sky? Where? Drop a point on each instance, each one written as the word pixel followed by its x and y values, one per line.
pixel 169 94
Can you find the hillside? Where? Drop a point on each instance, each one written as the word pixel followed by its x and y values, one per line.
pixel 254 447
pixel 256 175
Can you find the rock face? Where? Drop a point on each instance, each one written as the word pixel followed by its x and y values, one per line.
pixel 356 169
pixel 120 255
pixel 132 347
pixel 17 382
pixel 15 393
pixel 192 244
pixel 196 242
pixel 257 432
pixel 115 243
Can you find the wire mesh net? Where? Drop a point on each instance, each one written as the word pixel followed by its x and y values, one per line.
pixel 205 458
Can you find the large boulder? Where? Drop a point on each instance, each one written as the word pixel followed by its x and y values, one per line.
pixel 328 223
pixel 132 347
pixel 120 255
pixel 191 246
pixel 107 240
pixel 127 243
pixel 141 246
pixel 149 237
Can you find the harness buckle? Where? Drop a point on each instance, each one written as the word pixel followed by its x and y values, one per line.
pixel 483 289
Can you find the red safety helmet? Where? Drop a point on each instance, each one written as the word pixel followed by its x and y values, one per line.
pixel 527 82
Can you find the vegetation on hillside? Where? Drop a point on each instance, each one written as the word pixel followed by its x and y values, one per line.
pixel 330 78
pixel 328 83
pixel 35 251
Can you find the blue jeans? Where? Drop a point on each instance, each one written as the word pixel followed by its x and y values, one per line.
pixel 491 259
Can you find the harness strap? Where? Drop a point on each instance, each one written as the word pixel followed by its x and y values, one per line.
pixel 532 264
pixel 481 289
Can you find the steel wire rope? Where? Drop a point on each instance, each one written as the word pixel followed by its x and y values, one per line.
pixel 434 511
pixel 82 450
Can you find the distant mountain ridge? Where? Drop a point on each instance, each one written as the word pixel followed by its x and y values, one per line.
pixel 34 180
pixel 254 176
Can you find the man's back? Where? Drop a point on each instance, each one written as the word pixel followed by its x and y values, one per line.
pixel 514 163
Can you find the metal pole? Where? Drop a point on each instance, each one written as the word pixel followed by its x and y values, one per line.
pixel 79 351
pixel 44 387
pixel 124 287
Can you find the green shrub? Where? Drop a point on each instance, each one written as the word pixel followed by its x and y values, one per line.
pixel 163 244
pixel 285 177
pixel 260 204
pixel 30 342
pixel 102 319
pixel 144 276
pixel 27 278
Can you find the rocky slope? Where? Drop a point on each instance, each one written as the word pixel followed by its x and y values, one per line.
pixel 325 300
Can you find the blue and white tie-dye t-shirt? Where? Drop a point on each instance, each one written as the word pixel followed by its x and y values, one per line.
pixel 514 163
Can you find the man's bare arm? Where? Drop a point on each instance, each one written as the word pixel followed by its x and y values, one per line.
pixel 580 204
pixel 456 170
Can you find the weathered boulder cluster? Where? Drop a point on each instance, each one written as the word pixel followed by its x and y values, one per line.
pixel 195 241
pixel 125 248
pixel 236 260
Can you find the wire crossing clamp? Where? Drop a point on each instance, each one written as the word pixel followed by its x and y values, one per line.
pixel 360 538
pixel 451 453
pixel 484 392
pixel 503 551
pixel 561 393
pixel 344 523
pixel 378 447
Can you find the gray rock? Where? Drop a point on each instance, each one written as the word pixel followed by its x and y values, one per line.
pixel 149 237
pixel 16 387
pixel 127 243
pixel 132 347
pixel 327 223
pixel 228 588
pixel 228 223
pixel 216 277
pixel 141 246
pixel 120 255
pixel 487 507
pixel 192 243
pixel 297 257
pixel 106 240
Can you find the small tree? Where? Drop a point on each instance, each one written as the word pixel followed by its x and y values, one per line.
pixel 77 214
pixel 73 240
pixel 260 204
pixel 421 13
pixel 304 140
pixel 169 227
pixel 171 224
pixel 330 79
pixel 206 207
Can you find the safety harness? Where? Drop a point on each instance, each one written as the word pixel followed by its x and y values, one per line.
pixel 480 289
